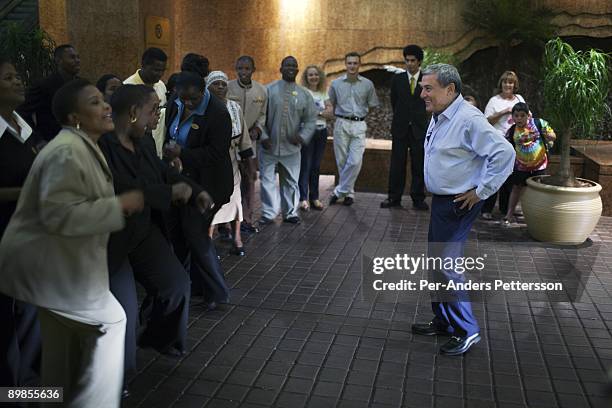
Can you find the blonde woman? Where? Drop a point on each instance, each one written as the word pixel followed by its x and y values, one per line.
pixel 499 114
pixel 313 79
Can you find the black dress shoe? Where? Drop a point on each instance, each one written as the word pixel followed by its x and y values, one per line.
pixel 169 351
pixel 125 393
pixel 237 250
pixel 248 228
pixel 420 205
pixel 172 352
pixel 459 345
pixel 388 203
pixel 348 201
pixel 429 329
pixel 292 220
pixel 333 199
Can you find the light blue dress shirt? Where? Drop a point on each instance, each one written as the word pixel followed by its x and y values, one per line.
pixel 179 131
pixel 463 151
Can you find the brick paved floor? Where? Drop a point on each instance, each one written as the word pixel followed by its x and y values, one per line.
pixel 298 333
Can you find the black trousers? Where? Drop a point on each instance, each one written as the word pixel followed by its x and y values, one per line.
pixel 165 308
pixel 397 170
pixel 504 196
pixel 20 343
pixel 195 249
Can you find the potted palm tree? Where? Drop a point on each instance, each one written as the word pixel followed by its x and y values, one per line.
pixel 562 208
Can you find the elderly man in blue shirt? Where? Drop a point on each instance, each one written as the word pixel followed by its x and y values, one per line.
pixel 466 161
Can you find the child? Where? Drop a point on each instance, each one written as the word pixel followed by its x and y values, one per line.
pixel 471 99
pixel 531 138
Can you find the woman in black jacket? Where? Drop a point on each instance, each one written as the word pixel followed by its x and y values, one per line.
pixel 20 343
pixel 141 250
pixel 199 134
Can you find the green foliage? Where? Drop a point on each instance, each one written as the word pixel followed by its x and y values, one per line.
pixel 432 56
pixel 30 50
pixel 510 21
pixel 576 86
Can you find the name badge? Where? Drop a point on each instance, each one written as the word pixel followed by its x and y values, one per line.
pixel 195 126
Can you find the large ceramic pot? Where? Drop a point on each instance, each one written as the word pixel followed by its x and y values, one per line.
pixel 561 215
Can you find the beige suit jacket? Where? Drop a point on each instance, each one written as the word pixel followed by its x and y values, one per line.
pixel 53 253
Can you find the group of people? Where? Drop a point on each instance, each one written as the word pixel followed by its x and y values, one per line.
pixel 123 181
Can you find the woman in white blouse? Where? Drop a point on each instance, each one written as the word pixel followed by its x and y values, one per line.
pixel 313 80
pixel 499 114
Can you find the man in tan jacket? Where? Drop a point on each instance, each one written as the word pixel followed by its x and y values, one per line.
pixel 252 97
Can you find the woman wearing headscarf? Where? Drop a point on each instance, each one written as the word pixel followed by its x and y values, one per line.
pixel 240 149
pixel 20 334
pixel 200 133
pixel 53 252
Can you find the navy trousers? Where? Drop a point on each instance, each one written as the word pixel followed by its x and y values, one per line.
pixel 165 308
pixel 20 343
pixel 448 231
pixel 196 251
pixel 310 165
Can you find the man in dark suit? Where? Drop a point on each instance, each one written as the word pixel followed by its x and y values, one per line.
pixel 408 131
pixel 36 109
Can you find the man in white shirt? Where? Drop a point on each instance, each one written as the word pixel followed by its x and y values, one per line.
pixel 153 66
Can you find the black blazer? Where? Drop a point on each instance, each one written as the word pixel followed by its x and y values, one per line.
pixel 38 101
pixel 16 158
pixel 408 110
pixel 206 158
pixel 154 178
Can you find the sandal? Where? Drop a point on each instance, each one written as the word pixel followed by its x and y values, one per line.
pixel 316 205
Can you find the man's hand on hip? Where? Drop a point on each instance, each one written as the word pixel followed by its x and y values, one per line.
pixel 469 199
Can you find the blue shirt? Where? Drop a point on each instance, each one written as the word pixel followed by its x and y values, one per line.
pixel 179 132
pixel 463 151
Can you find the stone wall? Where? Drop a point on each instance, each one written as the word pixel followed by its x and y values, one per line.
pixel 110 34
pixel 321 32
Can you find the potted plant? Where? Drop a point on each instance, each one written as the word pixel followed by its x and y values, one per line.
pixel 31 50
pixel 561 208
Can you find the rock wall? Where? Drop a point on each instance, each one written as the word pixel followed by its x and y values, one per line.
pixel 110 34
